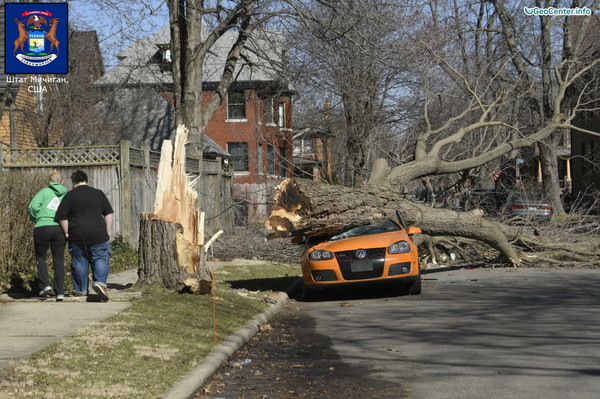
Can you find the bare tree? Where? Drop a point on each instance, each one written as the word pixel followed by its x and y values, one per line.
pixel 475 85
pixel 346 53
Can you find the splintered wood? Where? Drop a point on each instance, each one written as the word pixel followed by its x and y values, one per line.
pixel 172 248
pixel 175 200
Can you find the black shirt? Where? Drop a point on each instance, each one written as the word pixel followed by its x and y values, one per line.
pixel 85 207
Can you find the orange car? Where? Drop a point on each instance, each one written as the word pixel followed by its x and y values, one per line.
pixel 376 253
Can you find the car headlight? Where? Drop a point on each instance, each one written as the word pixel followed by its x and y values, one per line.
pixel 320 255
pixel 400 247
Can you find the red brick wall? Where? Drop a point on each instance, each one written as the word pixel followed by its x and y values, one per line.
pixel 254 131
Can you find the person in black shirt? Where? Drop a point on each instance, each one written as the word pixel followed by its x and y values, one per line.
pixel 86 216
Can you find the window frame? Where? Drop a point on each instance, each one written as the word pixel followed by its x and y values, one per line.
pixel 283 162
pixel 231 106
pixel 282 117
pixel 270 111
pixel 271 160
pixel 235 159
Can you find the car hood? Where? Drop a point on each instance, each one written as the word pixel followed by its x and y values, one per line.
pixel 364 242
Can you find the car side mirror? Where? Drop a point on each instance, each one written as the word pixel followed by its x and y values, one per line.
pixel 414 230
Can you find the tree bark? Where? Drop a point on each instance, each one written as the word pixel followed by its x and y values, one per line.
pixel 304 208
pixel 551 179
pixel 161 251
pixel 172 251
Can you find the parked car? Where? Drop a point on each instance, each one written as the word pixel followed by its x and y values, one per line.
pixel 378 253
pixel 528 204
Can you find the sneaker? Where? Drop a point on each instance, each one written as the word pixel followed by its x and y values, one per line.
pixel 46 291
pixel 101 291
pixel 60 298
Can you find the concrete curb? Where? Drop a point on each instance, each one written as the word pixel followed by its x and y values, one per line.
pixel 196 378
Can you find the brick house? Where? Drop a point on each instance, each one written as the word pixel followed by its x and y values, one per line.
pixel 253 125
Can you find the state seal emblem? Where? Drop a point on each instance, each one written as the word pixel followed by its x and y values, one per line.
pixel 35 33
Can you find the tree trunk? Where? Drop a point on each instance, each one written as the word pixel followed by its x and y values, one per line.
pixel 551 179
pixel 304 208
pixel 160 254
pixel 172 251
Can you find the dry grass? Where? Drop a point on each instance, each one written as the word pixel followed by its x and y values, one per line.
pixel 144 351
pixel 17 256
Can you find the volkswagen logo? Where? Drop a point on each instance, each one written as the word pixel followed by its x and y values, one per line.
pixel 361 254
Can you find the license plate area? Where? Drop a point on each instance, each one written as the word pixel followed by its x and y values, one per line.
pixel 361 266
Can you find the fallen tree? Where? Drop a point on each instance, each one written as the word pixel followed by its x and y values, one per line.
pixel 303 208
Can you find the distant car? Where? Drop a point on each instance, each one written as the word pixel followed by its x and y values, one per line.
pixel 528 204
pixel 378 253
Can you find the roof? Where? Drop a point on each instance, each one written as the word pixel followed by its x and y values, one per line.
pixel 140 63
pixel 143 116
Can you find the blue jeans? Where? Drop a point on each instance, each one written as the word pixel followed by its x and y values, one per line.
pixel 83 256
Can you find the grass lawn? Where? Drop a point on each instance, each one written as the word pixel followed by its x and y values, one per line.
pixel 144 351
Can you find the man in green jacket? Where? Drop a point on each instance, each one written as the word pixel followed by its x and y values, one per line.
pixel 48 234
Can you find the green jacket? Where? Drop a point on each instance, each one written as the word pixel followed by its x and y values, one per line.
pixel 43 206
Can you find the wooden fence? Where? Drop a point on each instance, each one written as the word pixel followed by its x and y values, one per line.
pixel 128 178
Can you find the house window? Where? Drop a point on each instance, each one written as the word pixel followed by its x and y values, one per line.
pixel 283 164
pixel 307 146
pixel 239 156
pixel 271 160
pixel 269 117
pixel 282 115
pixel 297 147
pixel 236 105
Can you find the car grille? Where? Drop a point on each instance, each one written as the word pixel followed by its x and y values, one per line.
pixel 351 255
pixel 370 266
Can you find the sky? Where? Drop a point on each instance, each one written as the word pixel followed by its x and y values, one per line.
pixel 118 23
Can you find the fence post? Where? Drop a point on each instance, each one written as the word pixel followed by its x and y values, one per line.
pixel 125 184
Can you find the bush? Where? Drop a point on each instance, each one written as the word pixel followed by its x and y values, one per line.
pixel 17 253
pixel 123 257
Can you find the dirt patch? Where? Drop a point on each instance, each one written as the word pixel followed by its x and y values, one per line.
pixel 287 358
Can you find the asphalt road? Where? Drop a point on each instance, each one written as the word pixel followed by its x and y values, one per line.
pixel 476 333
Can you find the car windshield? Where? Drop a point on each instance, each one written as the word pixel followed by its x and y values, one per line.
pixel 375 228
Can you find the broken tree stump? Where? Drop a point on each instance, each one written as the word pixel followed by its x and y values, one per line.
pixel 172 251
pixel 160 259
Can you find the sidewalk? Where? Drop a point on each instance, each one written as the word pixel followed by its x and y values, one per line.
pixel 28 325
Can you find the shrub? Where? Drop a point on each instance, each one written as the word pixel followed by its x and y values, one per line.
pixel 17 254
pixel 123 256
